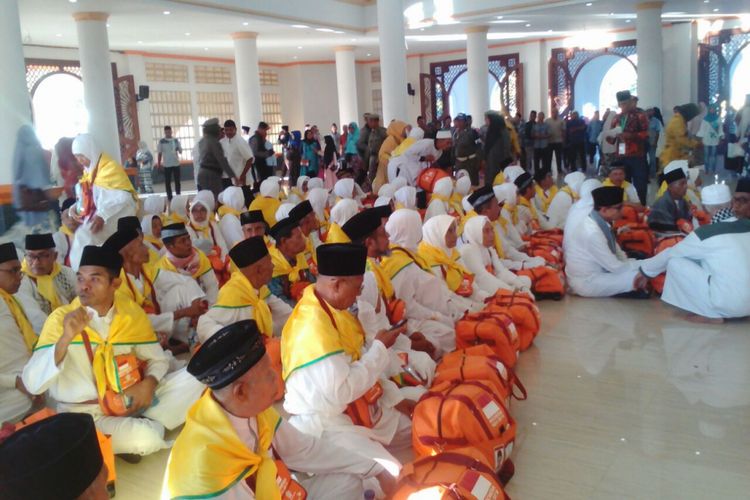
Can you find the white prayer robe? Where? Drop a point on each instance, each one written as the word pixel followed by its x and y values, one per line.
pixel 512 233
pixel 408 166
pixel 514 259
pixel 476 258
pixel 593 270
pixel 557 213
pixel 218 317
pixel 13 356
pixel 62 245
pixel 708 276
pixel 207 237
pixel 231 230
pixel 436 207
pixel 72 385
pixel 36 307
pixel 317 396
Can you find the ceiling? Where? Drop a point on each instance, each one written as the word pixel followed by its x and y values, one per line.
pixel 309 31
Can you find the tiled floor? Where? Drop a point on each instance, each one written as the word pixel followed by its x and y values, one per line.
pixel 626 400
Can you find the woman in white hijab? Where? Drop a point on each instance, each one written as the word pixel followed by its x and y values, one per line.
pixel 344 210
pixel 347 189
pixel 203 230
pixel 513 245
pixel 438 250
pixel 315 182
pixel 406 197
pixel 398 183
pixel 564 199
pixel 155 204
pixel 318 198
pixel 507 196
pixel 440 201
pixel 460 191
pixel 429 307
pixel 299 192
pixel 580 209
pixel 268 201
pixel 151 227
pixel 283 211
pixel 229 224
pixel 478 255
pixel 178 209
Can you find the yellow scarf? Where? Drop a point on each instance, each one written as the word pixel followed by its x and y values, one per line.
pixel 66 230
pixel 398 259
pixel 110 175
pixel 130 326
pixel 546 199
pixel 21 320
pixel 282 267
pixel 498 241
pixel 209 458
pixel 225 209
pixel 174 218
pixel 527 203
pixel 149 274
pixel 154 241
pixel 453 272
pixel 268 206
pixel 513 213
pixel 405 144
pixel 384 283
pixel 464 219
pixel 316 330
pixel 445 199
pixel 45 283
pixel 456 204
pixel 573 196
pixel 238 292
pixel 337 235
pixel 204 265
pixel 294 191
pixel 625 185
pixel 499 179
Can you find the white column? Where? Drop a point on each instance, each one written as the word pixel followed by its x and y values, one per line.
pixel 477 72
pixel 650 58
pixel 15 105
pixel 98 86
pixel 392 59
pixel 346 83
pixel 248 78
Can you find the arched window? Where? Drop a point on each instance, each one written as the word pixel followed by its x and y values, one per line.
pixel 599 80
pixel 59 110
pixel 739 85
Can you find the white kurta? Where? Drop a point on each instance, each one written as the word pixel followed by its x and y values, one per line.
pixel 476 259
pixel 709 276
pixel 219 317
pixel 317 395
pixel 111 205
pixel 231 230
pixel 205 238
pixel 557 213
pixel 13 356
pixel 408 164
pixel 593 270
pixel 72 385
pixel 237 151
pixel 37 308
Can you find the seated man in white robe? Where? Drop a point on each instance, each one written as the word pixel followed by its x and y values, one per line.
pixel 246 294
pixel 708 271
pixel 595 264
pixel 46 284
pixel 564 199
pixel 235 446
pixel 333 386
pixel 102 329
pixel 17 338
pixel 183 258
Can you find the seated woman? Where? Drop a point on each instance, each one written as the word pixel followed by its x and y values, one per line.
pixel 318 198
pixel 203 229
pixel 151 225
pixel 344 210
pixel 440 200
pixel 298 193
pixel 479 257
pixel 438 250
pixel 233 200
pixel 406 197
pixel 268 201
pixel 178 209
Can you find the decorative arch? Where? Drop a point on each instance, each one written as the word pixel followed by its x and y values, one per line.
pixel 436 86
pixel 566 63
pixel 39 69
pixel 717 56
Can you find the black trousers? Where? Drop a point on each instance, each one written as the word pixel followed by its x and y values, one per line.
pixel 557 149
pixel 542 158
pixel 577 157
pixel 169 174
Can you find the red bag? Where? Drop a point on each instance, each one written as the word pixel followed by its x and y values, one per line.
pixel 429 176
pixel 553 235
pixel 546 283
pixel 494 329
pixel 455 415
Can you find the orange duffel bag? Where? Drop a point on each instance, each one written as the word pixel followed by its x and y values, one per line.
pixel 462 474
pixel 522 309
pixel 637 238
pixel 553 235
pixel 429 176
pixel 657 283
pixel 546 283
pixel 550 254
pixel 494 329
pixel 454 415
pixel 484 368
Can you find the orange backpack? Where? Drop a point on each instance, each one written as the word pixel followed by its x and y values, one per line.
pixel 429 176
pixel 546 283
pixel 638 238
pixel 458 414
pixel 550 253
pixel 462 474
pixel 522 309
pixel 657 283
pixel 492 328
pixel 488 369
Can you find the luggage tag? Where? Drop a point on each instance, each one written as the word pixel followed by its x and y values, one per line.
pixel 479 486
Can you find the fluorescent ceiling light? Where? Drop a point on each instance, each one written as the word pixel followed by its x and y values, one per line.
pixel 509 21
pixel 166 12
pixel 499 17
pixel 301 26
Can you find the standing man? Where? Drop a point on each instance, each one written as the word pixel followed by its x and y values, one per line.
pixel 593 129
pixel 169 150
pixel 556 131
pixel 374 141
pixel 238 154
pixel 527 140
pixel 575 134
pixel 211 159
pixel 631 135
pixel 466 149
pixel 258 147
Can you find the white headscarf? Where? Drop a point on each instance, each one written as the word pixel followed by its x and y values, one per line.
pixel 462 173
pixel 85 144
pixel 344 188
pixel 301 182
pixel 234 198
pixel 465 203
pixel 473 229
pixel 154 204
pixel 318 198
pixel 344 210
pixel 586 188
pixel 146 224
pixel 178 205
pixel 574 180
pixel 580 209
pixel 416 133
pixel 205 198
pixel 382 201
pixel 444 187
pixel 506 193
pixel 399 182
pixel 435 229
pixel 270 188
pixel 404 228
pixel 463 185
pixel 512 173
pixel 407 196
pixel 283 211
pixel 315 182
